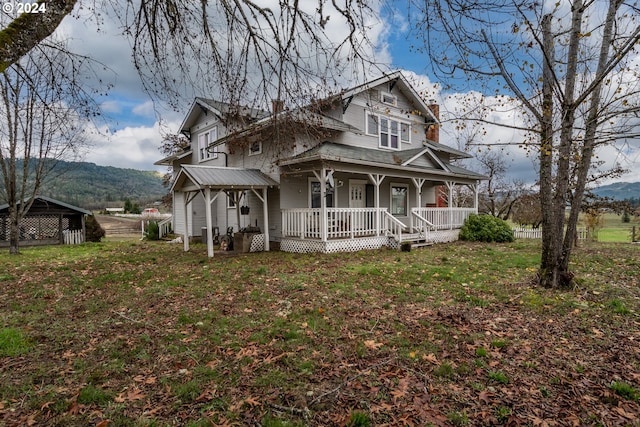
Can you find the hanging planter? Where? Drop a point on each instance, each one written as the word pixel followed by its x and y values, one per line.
pixel 244 210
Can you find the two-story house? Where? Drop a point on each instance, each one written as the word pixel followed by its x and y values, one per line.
pixel 359 170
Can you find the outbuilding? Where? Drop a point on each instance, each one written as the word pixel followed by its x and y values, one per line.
pixel 48 222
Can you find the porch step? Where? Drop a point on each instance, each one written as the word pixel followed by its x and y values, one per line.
pixel 421 244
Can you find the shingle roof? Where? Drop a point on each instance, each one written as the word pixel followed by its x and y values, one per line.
pixel 348 153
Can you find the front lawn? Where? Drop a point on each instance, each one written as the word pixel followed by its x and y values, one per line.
pixel 143 334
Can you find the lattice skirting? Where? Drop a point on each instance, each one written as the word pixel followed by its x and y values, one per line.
pixel 257 243
pixel 444 236
pixel 337 245
pixel 358 244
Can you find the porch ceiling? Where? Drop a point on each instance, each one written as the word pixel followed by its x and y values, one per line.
pixel 195 177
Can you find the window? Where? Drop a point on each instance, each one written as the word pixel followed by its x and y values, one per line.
pixel 388 98
pixel 399 199
pixel 255 148
pixel 315 196
pixel 231 198
pixel 405 132
pixel 204 140
pixel 390 132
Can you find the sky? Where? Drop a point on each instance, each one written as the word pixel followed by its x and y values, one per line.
pixel 130 132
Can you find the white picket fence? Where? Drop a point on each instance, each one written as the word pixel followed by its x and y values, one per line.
pixel 536 233
pixel 72 237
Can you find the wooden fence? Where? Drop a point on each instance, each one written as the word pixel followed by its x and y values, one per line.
pixel 536 233
pixel 72 237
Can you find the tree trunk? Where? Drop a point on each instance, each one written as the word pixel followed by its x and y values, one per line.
pixel 548 268
pixel 14 232
pixel 29 29
pixel 591 126
pixel 554 271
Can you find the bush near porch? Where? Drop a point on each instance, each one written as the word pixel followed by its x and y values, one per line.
pixel 139 333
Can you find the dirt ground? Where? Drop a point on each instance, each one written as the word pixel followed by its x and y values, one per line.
pixel 120 227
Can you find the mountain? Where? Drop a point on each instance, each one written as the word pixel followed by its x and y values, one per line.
pixel 619 190
pixel 90 186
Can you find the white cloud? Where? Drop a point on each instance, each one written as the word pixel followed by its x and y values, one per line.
pixel 130 147
pixel 111 106
pixel 145 109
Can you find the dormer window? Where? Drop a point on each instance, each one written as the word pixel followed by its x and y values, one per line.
pixel 389 99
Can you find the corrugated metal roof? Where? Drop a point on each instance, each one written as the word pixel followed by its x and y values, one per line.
pixel 221 177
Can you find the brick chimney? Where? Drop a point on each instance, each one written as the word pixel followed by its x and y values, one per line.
pixel 433 129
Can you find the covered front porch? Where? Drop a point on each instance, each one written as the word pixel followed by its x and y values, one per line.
pixel 344 198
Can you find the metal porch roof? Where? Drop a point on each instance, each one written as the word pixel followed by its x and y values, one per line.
pixel 222 178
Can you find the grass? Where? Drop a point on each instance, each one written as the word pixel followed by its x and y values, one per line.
pixel 142 333
pixel 13 342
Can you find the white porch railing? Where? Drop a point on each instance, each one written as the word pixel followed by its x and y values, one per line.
pixel 444 218
pixel 392 225
pixel 344 223
pixel 164 226
pixel 341 223
pixel 420 224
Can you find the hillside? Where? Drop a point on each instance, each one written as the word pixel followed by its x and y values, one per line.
pixel 619 190
pixel 90 186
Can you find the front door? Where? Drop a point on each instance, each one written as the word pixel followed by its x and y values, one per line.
pixel 358 200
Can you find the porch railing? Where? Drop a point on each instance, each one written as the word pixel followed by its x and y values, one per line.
pixel 420 224
pixel 392 225
pixel 344 223
pixel 444 218
pixel 341 223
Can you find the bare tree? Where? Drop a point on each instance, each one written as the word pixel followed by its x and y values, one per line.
pixel 570 68
pixel 241 51
pixel 44 116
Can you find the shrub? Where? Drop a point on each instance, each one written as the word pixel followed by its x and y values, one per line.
pixel 486 228
pixel 153 231
pixel 94 232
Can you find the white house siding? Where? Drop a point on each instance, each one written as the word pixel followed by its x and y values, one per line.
pixel 178 212
pixel 198 219
pixel 275 218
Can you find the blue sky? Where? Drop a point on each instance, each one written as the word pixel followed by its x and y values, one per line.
pixel 130 132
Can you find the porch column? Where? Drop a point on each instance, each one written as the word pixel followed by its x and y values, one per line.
pixel 185 199
pixel 450 203
pixel 418 183
pixel 475 194
pixel 238 201
pixel 376 180
pixel 323 205
pixel 265 215
pixel 207 209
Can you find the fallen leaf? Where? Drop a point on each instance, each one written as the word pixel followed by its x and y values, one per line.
pixel 372 344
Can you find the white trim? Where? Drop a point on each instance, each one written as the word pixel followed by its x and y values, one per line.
pixel 398 184
pixel 203 140
pixel 312 179
pixel 362 182
pixel 388 98
pixel 258 151
pixel 378 129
